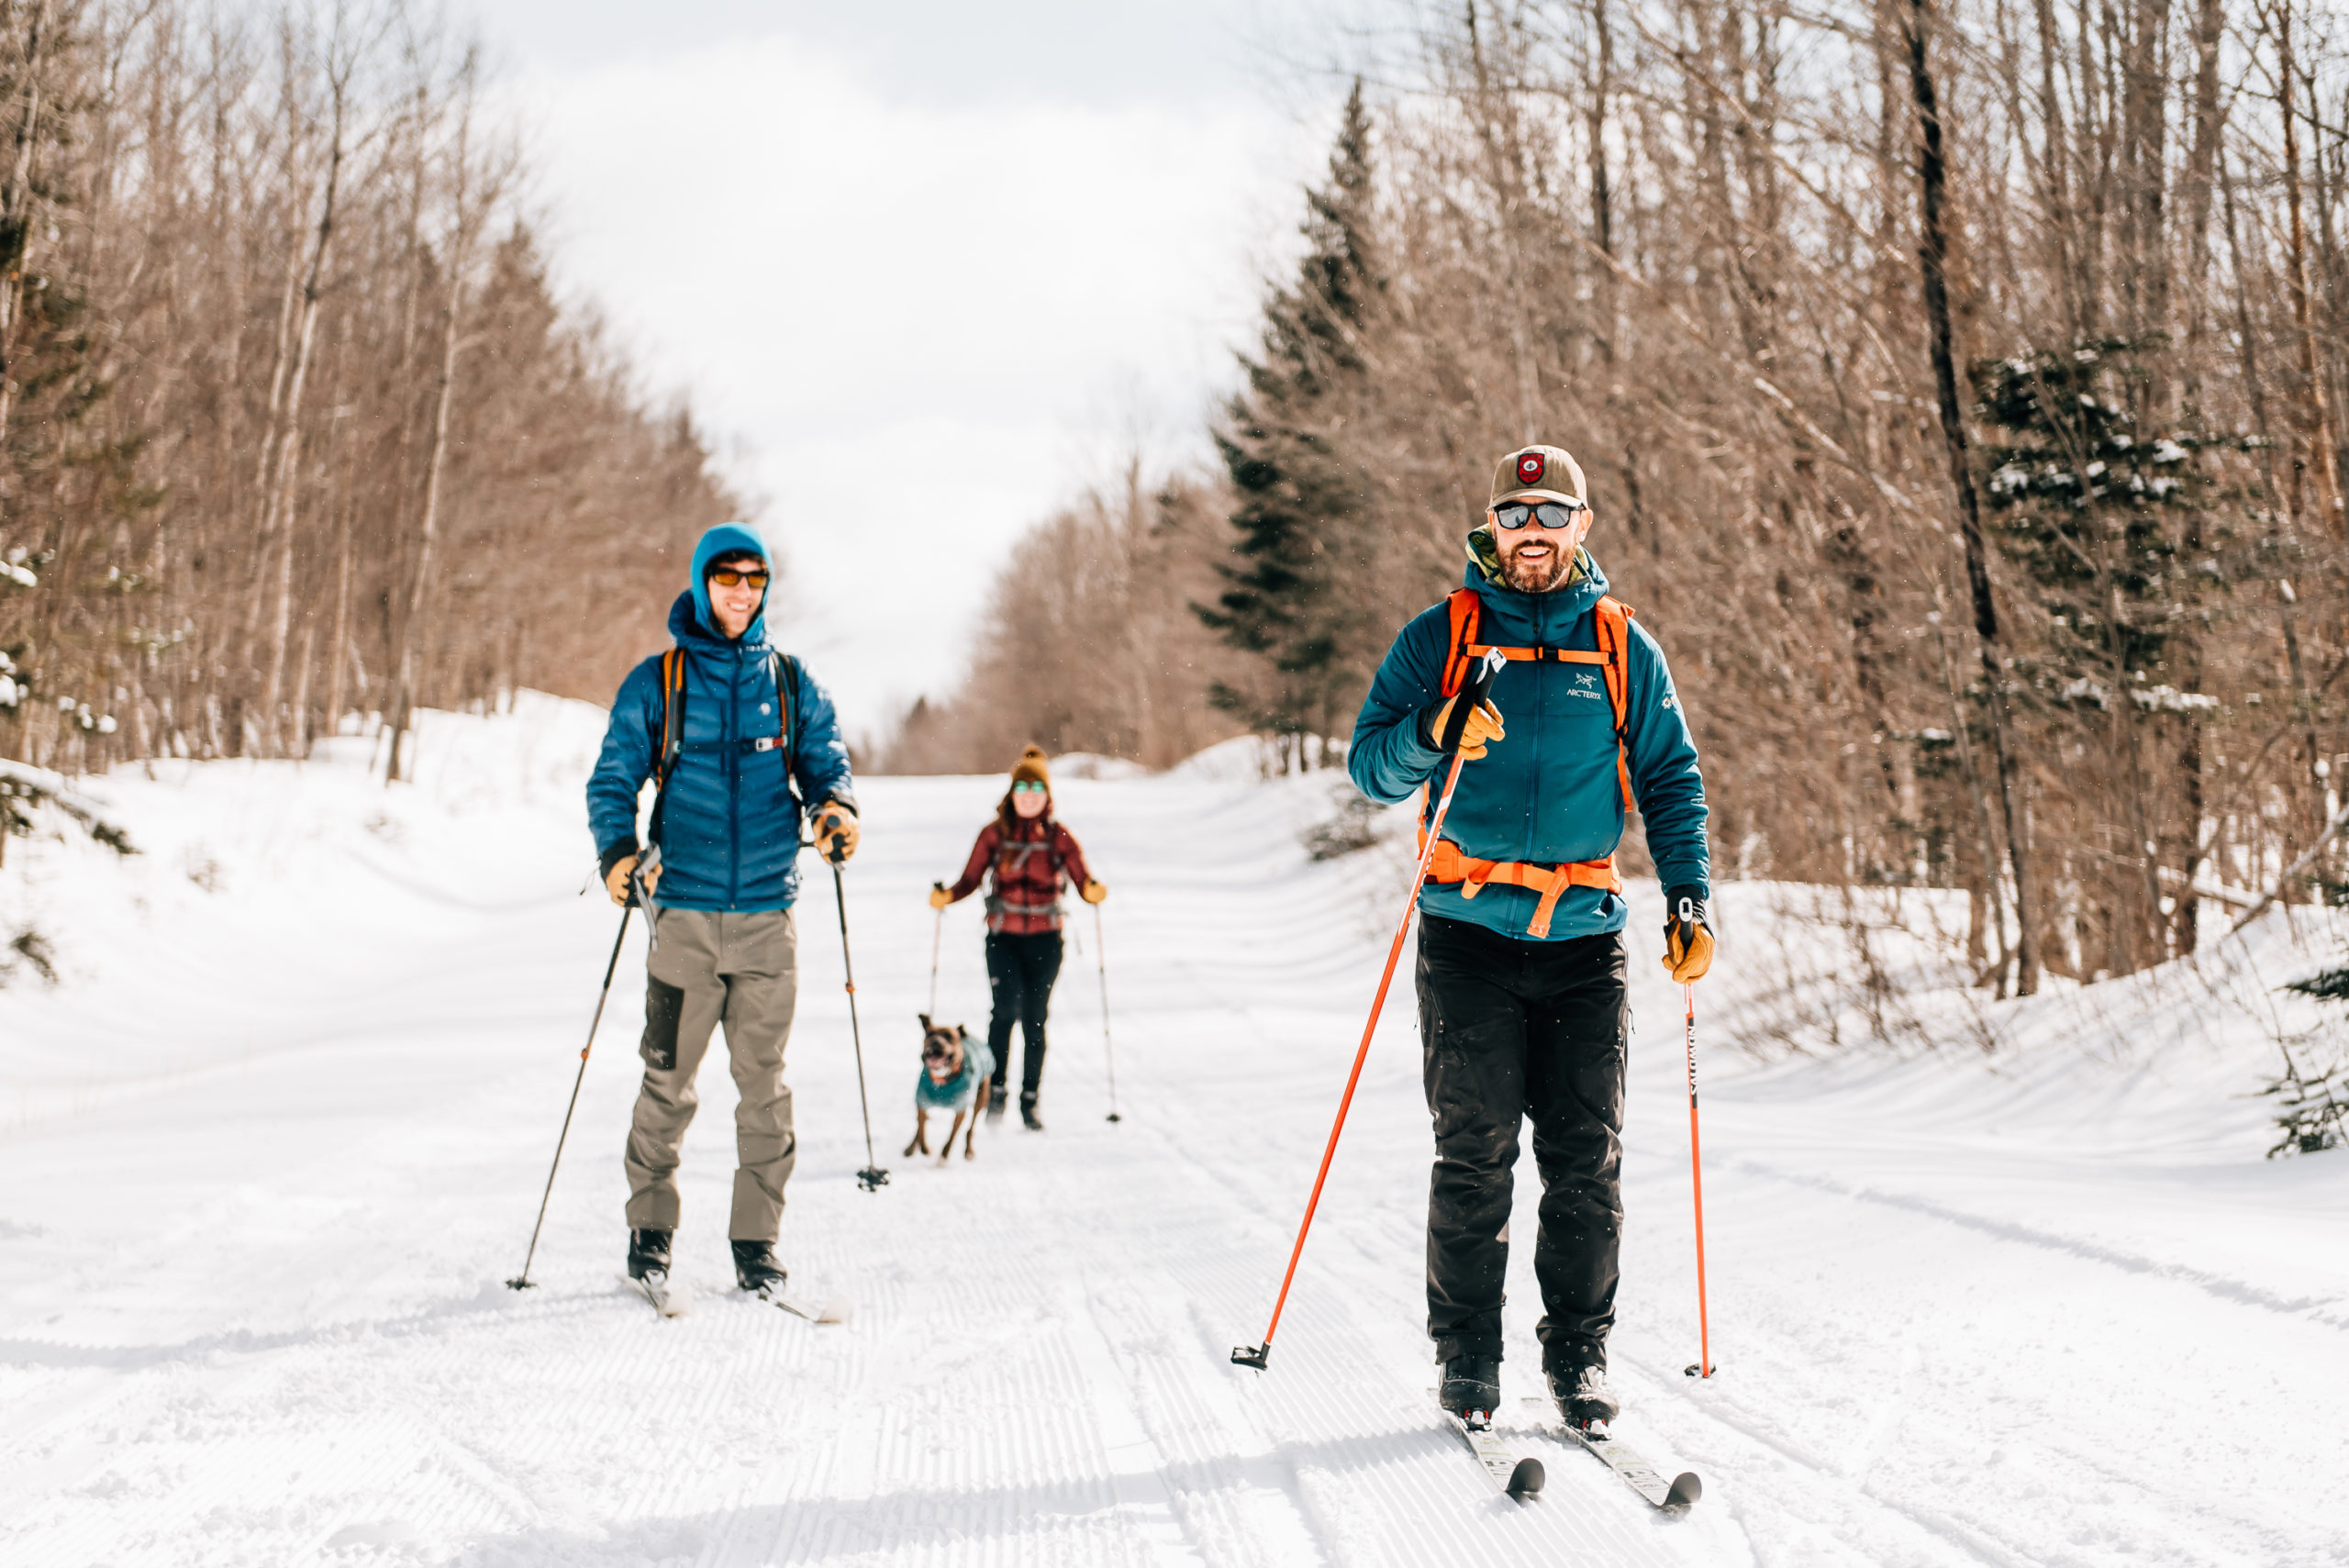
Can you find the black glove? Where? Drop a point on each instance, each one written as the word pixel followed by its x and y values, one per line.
pixel 1687 935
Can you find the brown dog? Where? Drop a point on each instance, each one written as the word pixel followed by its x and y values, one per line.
pixel 955 1074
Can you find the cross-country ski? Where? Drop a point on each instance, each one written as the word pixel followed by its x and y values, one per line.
pixel 1245 784
pixel 1519 1476
pixel 1673 1492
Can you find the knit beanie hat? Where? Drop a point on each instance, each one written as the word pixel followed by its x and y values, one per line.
pixel 1032 768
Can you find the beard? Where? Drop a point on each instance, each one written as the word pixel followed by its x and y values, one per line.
pixel 1537 574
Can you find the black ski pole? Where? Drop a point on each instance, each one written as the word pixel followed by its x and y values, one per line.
pixel 1101 956
pixel 872 1177
pixel 523 1280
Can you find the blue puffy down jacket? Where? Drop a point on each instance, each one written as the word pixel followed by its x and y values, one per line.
pixel 1549 793
pixel 729 831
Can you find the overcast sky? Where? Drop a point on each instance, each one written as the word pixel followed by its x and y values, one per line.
pixel 924 268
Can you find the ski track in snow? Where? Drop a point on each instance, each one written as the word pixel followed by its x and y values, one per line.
pixel 278 1146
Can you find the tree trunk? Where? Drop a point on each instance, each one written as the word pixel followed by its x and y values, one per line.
pixel 2323 455
pixel 289 451
pixel 16 213
pixel 1933 252
pixel 404 676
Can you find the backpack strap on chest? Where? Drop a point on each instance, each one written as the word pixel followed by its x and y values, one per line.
pixel 671 739
pixel 1611 627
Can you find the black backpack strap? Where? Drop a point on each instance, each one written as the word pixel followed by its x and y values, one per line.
pixel 786 688
pixel 671 739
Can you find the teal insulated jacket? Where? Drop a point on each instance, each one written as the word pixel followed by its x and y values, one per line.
pixel 1548 793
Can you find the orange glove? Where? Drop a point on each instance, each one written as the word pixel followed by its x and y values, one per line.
pixel 1093 892
pixel 939 897
pixel 1688 940
pixel 836 831
pixel 1484 726
pixel 616 881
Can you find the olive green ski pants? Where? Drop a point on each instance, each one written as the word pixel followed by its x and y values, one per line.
pixel 740 970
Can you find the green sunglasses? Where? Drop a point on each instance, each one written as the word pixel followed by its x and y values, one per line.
pixel 1029 786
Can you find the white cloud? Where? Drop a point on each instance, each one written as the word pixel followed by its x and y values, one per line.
pixel 920 316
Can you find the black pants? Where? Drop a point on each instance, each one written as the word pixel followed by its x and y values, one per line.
pixel 1514 1029
pixel 1021 972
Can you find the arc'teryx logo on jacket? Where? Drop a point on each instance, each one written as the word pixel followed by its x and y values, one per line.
pixel 1548 794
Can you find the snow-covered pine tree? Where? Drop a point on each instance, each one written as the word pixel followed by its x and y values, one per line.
pixel 1302 494
pixel 2313 1106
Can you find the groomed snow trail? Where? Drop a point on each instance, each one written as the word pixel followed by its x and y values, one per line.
pixel 272 1156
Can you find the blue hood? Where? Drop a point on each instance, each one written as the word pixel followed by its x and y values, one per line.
pixel 726 539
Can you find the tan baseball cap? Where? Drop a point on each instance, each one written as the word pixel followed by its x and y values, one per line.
pixel 1537 473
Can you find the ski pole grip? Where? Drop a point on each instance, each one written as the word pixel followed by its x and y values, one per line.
pixel 1472 697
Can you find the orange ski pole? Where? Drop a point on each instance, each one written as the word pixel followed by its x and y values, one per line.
pixel 1478 685
pixel 1703 1367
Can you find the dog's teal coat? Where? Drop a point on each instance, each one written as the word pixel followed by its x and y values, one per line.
pixel 958 1092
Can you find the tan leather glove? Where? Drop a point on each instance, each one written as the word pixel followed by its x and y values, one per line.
pixel 1484 727
pixel 836 832
pixel 1688 940
pixel 939 897
pixel 616 880
pixel 1094 892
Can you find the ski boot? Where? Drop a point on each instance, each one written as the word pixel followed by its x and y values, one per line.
pixel 998 1101
pixel 1471 1388
pixel 1584 1398
pixel 755 1266
pixel 1028 1117
pixel 648 1254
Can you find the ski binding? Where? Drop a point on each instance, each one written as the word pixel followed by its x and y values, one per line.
pixel 655 1287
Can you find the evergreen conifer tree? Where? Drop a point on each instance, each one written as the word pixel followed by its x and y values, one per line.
pixel 1301 494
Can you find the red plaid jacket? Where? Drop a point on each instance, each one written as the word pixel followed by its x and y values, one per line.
pixel 1027 862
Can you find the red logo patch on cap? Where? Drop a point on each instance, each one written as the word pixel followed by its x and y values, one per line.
pixel 1529 469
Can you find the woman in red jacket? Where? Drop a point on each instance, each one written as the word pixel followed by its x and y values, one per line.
pixel 1027 854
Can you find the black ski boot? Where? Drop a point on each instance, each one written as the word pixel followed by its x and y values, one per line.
pixel 1471 1386
pixel 998 1101
pixel 1028 1117
pixel 648 1253
pixel 754 1265
pixel 1580 1388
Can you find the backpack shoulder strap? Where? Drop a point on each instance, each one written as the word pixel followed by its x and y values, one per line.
pixel 1466 608
pixel 673 712
pixel 785 669
pixel 1612 620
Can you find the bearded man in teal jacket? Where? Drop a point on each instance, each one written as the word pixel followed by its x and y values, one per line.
pixel 1524 1013
pixel 744 744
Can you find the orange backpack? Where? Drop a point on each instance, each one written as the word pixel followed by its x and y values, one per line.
pixel 1450 863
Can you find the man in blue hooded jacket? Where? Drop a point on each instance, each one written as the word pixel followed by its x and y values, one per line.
pixel 1523 1008
pixel 755 740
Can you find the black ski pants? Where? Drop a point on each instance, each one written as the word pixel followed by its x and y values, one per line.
pixel 1512 1030
pixel 1021 972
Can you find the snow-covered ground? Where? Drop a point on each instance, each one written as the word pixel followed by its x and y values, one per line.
pixel 273 1145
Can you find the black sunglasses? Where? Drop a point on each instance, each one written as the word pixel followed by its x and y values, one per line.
pixel 1550 514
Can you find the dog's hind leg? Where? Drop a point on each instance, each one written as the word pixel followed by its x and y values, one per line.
pixel 946 1149
pixel 921 1132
